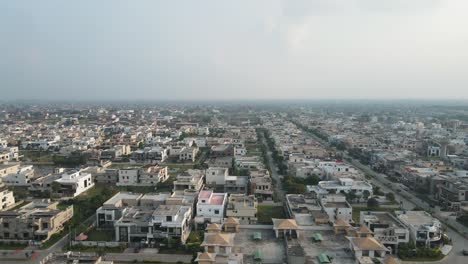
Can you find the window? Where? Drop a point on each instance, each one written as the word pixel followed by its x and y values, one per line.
pixel 6 225
pixel 169 218
pixel 216 211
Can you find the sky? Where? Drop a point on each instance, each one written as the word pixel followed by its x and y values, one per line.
pixel 233 50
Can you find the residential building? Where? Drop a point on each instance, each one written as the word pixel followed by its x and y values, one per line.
pixel 210 207
pixel 188 154
pixel 148 218
pixel 138 176
pixel 22 177
pixel 189 180
pixel 74 183
pixel 242 207
pixel 342 185
pixel 387 228
pixel 37 221
pixel 425 230
pixel 337 207
pixel 7 200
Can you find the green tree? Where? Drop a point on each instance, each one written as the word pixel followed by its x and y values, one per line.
pixel 351 196
pixel 373 203
pixel 366 194
pixel 390 196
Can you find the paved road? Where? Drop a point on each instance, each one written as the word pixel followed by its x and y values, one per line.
pixel 274 172
pixel 409 201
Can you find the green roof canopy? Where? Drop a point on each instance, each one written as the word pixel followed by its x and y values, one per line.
pixel 258 255
pixel 257 236
pixel 323 258
pixel 317 237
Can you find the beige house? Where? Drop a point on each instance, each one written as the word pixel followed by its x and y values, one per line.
pixel 189 180
pixel 242 207
pixel 231 224
pixel 37 221
pixel 7 199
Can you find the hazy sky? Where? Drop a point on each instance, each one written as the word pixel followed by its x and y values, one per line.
pixel 272 49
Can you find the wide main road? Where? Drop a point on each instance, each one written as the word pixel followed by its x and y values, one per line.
pixel 409 201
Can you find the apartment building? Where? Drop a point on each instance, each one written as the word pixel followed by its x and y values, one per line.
pixel 37 221
pixel 242 207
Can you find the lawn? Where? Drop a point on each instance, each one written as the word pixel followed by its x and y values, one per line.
pixel 265 213
pixel 357 211
pixel 100 235
pixel 12 246
pixel 166 186
pixel 424 259
pixel 137 189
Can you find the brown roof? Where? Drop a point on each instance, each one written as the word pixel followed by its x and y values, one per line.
pixel 364 230
pixel 391 260
pixel 213 226
pixel 341 222
pixel 231 220
pixel 284 224
pixel 206 256
pixel 218 239
pixel 366 243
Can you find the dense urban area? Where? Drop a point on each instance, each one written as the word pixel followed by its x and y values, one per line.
pixel 268 182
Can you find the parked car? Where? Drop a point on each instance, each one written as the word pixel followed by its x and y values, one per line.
pixel 465 252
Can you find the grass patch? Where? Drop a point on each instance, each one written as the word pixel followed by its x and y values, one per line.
pixel 266 212
pixel 82 248
pixel 12 246
pixel 166 186
pixel 423 259
pixel 100 235
pixel 137 189
pixel 357 211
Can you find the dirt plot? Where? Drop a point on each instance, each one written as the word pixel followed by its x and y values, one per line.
pixel 272 249
pixel 333 246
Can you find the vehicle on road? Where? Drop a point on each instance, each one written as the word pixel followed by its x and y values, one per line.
pixel 465 252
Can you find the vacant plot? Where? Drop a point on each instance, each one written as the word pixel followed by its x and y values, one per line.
pixel 266 212
pixel 100 235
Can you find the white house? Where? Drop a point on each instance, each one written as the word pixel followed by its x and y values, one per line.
pixel 21 178
pixel 216 175
pixel 343 185
pixel 74 183
pixel 336 208
pixel 210 207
